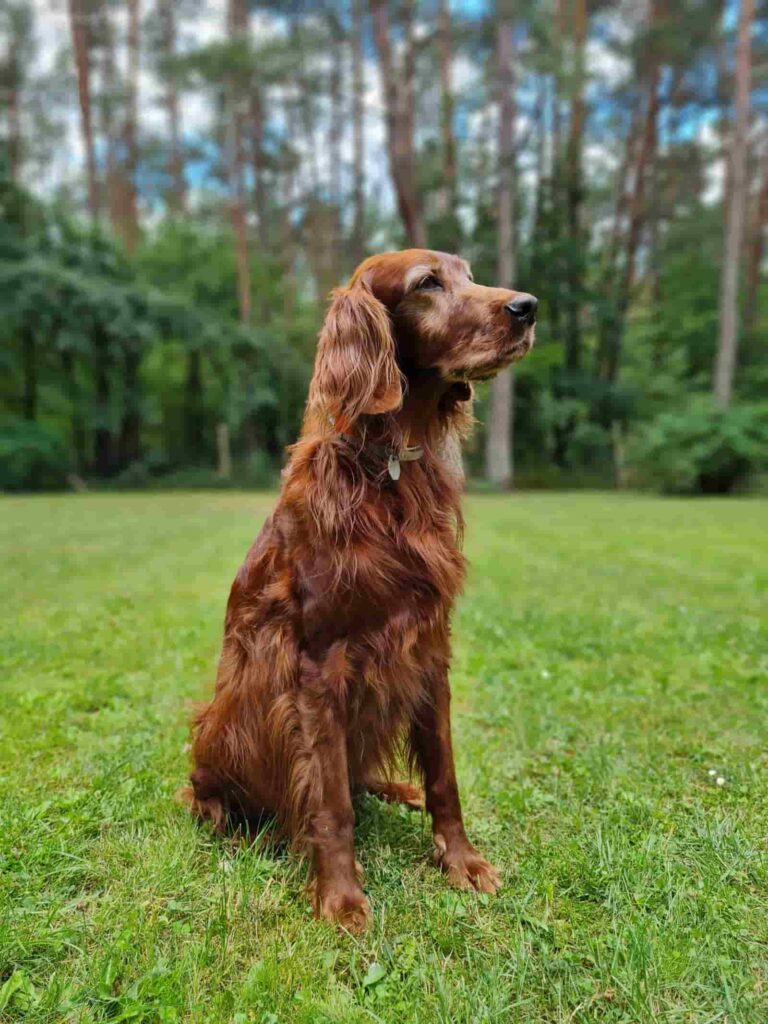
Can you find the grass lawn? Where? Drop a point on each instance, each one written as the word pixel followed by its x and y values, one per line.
pixel 610 711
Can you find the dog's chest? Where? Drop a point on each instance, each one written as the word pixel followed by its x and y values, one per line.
pixel 379 582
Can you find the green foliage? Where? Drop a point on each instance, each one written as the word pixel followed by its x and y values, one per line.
pixel 21 217
pixel 32 457
pixel 135 360
pixel 686 321
pixel 701 449
pixel 254 378
pixel 110 338
pixel 256 471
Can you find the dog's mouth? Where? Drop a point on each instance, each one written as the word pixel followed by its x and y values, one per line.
pixel 521 347
pixel 512 354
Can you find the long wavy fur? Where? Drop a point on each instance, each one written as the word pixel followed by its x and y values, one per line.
pixel 342 542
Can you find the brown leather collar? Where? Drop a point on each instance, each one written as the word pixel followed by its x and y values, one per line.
pixel 394 456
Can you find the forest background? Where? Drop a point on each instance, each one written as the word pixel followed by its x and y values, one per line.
pixel 182 183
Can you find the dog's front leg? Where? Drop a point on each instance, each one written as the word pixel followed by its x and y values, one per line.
pixel 431 741
pixel 330 819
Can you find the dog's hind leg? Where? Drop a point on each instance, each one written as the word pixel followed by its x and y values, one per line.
pixel 396 793
pixel 225 804
pixel 227 780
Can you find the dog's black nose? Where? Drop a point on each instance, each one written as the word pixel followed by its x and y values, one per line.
pixel 523 307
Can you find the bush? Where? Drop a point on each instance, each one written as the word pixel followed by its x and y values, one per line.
pixel 32 458
pixel 256 471
pixel 701 449
pixel 590 447
pixel 134 477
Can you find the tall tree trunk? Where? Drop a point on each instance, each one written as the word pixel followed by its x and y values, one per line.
pixel 408 118
pixel 448 196
pixel 653 274
pixel 725 364
pixel 336 126
pixel 307 109
pixel 237 25
pixel 108 107
pixel 498 451
pixel 574 189
pixel 557 85
pixel 177 194
pixel 358 133
pixel 557 269
pixel 621 200
pixel 288 242
pixel 13 83
pixel 398 88
pixel 260 202
pixel 78 22
pixel 542 168
pixel 755 254
pixel 335 137
pixel 256 117
pixel 131 230
pixel 637 211
pixel 613 324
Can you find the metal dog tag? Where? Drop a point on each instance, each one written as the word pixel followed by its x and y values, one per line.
pixel 393 466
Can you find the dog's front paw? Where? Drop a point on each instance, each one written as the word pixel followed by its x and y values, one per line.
pixel 347 908
pixel 464 867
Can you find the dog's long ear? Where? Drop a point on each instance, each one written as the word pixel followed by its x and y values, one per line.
pixel 356 372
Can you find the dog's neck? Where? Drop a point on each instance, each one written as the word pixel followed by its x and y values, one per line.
pixel 418 422
pixel 419 418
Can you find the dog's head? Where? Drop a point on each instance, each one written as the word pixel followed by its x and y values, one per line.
pixel 413 314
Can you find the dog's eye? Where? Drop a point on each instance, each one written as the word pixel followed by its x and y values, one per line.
pixel 430 284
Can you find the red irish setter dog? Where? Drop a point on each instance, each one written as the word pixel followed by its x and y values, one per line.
pixel 336 642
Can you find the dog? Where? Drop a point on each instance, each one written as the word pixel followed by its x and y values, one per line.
pixel 337 634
